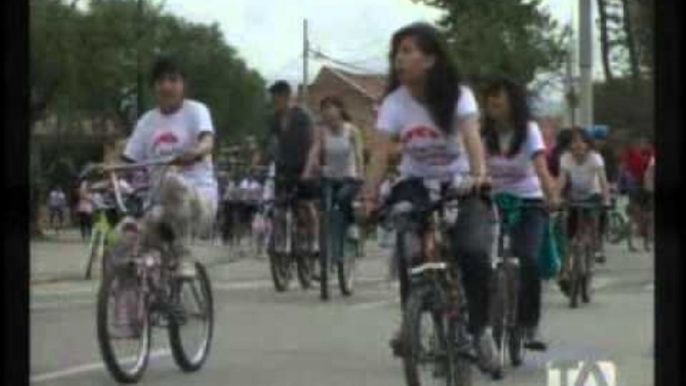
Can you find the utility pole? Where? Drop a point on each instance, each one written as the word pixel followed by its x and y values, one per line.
pixel 306 51
pixel 571 79
pixel 139 74
pixel 586 62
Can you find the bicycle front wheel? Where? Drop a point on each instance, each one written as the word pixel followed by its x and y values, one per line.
pixel 96 249
pixel 617 228
pixel 429 358
pixel 190 333
pixel 123 327
pixel 346 268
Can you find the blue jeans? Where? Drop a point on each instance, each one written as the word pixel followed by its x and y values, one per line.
pixel 527 237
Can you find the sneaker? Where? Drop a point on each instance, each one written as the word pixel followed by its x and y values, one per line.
pixel 563 283
pixel 532 340
pixel 485 350
pixel 354 233
pixel 600 258
pixel 397 345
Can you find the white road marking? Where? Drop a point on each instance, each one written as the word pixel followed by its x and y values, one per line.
pixel 44 306
pixel 71 371
pixel 372 305
pixel 62 292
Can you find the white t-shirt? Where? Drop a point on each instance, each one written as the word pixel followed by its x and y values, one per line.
pixel 158 136
pixel 516 175
pixel 426 151
pixel 57 199
pixel 583 178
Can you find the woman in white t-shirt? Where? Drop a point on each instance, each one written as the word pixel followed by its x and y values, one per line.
pixel 435 118
pixel 518 167
pixel 582 177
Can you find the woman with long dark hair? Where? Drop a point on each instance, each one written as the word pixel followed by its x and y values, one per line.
pixel 337 151
pixel 517 164
pixel 435 118
pixel 582 175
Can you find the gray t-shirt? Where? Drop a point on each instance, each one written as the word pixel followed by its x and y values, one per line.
pixel 339 153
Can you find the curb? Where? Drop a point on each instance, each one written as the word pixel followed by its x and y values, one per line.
pixel 72 277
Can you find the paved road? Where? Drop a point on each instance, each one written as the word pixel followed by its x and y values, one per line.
pixel 264 338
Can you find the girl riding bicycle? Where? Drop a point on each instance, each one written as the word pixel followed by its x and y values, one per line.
pixel 337 151
pixel 518 166
pixel 583 172
pixel 434 117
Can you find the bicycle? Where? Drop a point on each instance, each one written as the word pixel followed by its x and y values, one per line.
pixel 508 335
pixel 289 245
pixel 107 215
pixel 99 240
pixel 617 224
pixel 338 251
pixel 581 250
pixel 140 291
pixel 432 292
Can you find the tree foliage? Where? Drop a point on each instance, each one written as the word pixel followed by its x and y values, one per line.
pixel 86 61
pixel 516 38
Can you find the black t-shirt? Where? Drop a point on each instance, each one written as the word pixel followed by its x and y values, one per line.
pixel 611 163
pixel 289 148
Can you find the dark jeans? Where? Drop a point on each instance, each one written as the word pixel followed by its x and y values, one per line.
pixel 527 237
pixel 575 213
pixel 472 238
pixel 56 217
pixel 344 192
pixel 85 224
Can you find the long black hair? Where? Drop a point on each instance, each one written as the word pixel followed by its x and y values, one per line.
pixel 519 110
pixel 443 79
pixel 585 137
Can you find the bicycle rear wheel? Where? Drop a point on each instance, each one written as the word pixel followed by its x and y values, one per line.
pixel 304 259
pixel 123 327
pixel 576 275
pixel 190 334
pixel 280 262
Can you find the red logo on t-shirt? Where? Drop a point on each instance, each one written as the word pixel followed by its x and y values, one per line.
pixel 423 132
pixel 166 137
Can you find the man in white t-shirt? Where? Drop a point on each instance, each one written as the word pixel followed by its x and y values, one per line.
pixel 57 204
pixel 180 129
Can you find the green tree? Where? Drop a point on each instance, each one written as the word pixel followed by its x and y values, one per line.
pixel 85 61
pixel 516 38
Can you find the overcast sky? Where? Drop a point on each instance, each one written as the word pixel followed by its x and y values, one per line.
pixel 268 33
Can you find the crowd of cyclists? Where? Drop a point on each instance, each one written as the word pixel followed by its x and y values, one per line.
pixel 483 141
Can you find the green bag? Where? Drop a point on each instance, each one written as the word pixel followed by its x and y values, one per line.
pixel 549 262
